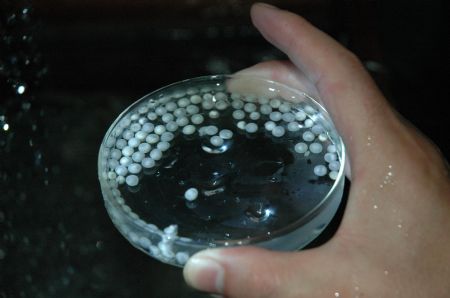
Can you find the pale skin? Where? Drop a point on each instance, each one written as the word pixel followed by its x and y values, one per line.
pixel 394 239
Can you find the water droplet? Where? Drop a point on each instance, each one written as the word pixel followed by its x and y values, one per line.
pixel 20 89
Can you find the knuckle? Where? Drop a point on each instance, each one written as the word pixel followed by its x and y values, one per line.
pixel 351 59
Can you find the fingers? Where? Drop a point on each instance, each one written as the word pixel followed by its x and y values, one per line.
pixel 284 72
pixel 253 272
pixel 355 103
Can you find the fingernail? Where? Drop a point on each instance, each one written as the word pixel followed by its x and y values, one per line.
pixel 267 5
pixel 204 272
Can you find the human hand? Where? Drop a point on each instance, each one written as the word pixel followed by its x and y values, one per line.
pixel 394 239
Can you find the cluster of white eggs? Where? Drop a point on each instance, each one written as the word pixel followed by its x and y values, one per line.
pixel 143 136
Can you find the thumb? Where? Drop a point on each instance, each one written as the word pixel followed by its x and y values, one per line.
pixel 256 272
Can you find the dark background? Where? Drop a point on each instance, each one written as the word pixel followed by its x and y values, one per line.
pixel 68 68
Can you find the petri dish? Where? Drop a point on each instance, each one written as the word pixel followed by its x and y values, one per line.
pixel 221 161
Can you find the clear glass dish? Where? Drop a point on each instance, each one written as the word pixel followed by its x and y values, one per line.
pixel 220 161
